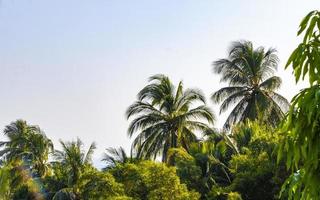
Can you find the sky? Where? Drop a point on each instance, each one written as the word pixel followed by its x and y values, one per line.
pixel 73 67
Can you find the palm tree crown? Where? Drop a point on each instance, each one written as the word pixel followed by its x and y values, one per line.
pixel 164 117
pixel 249 73
pixel 74 158
pixel 27 143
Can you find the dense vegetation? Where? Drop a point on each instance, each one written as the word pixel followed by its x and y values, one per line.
pixel 268 148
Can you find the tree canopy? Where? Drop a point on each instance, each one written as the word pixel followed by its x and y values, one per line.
pixel 263 152
pixel 165 117
pixel 249 73
pixel 300 146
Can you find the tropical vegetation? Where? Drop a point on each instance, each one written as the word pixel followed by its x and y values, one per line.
pixel 268 148
pixel 165 118
pixel 249 73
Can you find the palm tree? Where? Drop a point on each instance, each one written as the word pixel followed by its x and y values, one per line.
pixel 27 143
pixel 17 133
pixel 249 73
pixel 115 156
pixel 211 158
pixel 205 165
pixel 165 118
pixel 74 158
pixel 40 147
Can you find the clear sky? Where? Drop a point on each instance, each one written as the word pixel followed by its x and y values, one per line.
pixel 73 67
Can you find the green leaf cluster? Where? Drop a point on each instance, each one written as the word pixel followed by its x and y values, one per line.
pixel 305 59
pixel 300 145
pixel 151 180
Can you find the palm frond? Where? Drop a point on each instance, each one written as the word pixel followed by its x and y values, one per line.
pixel 235 114
pixel 139 107
pixel 113 156
pixel 144 121
pixel 225 92
pixel 190 96
pixel 230 72
pixel 271 84
pixel 280 100
pixel 233 99
pixel 88 156
pixel 200 113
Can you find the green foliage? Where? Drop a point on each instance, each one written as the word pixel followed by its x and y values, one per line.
pixel 234 196
pixel 249 73
pixel 223 166
pixel 115 156
pixel 187 169
pixel 27 143
pixel 57 180
pixel 256 136
pixel 305 59
pixel 95 185
pixel 300 146
pixel 205 165
pixel 91 185
pixel 150 180
pixel 255 172
pixel 27 192
pixel 165 117
pixel 16 182
pixel 64 194
pixel 253 176
pixel 5 181
pixel 74 159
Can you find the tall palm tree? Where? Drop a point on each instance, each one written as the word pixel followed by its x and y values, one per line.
pixel 249 73
pixel 164 117
pixel 74 158
pixel 27 143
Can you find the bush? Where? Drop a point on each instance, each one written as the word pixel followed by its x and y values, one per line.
pixel 154 181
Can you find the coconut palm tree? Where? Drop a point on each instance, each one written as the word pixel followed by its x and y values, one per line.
pixel 164 117
pixel 249 73
pixel 27 143
pixel 74 158
pixel 39 148
pixel 17 133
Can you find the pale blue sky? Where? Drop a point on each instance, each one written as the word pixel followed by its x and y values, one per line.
pixel 73 67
